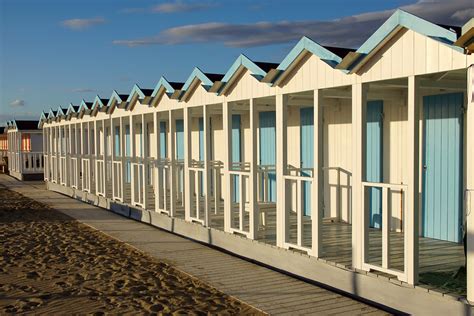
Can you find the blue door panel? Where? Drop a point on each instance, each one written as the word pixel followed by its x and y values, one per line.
pixel 374 159
pixel 127 154
pixel 236 152
pixel 307 153
pixel 163 140
pixel 179 139
pixel 442 161
pixel 267 124
pixel 117 141
pixel 201 139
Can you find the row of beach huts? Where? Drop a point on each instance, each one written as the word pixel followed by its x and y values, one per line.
pixel 351 168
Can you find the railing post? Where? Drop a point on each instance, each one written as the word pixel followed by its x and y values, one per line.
pixel 227 123
pixel 253 188
pixel 187 159
pixel 413 164
pixel 359 240
pixel 171 154
pixel 145 155
pixel 157 159
pixel 207 157
pixel 318 177
pixel 469 206
pixel 282 220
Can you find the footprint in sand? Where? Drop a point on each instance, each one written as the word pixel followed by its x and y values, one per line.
pixel 32 275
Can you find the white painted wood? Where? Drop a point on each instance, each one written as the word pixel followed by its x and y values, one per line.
pixel 318 177
pixel 227 124
pixel 469 203
pixel 253 188
pixel 281 163
pixel 187 160
pixel 413 166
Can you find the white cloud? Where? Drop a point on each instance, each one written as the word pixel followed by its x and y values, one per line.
pixel 177 6
pixel 81 24
pixel 348 31
pixel 18 103
pixel 82 90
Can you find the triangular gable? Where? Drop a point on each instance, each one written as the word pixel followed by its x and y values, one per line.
pixel 241 62
pixel 400 19
pixel 42 119
pixel 98 104
pixel 51 114
pixel 137 93
pixel 84 108
pixel 198 75
pixel 165 87
pixel 304 46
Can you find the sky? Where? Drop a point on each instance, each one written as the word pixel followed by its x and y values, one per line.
pixel 54 52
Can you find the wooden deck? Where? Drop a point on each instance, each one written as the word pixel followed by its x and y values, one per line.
pixel 265 289
pixel 439 260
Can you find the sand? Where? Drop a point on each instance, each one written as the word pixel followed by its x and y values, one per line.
pixel 52 264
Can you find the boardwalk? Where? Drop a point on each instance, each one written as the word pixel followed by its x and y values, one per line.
pixel 270 291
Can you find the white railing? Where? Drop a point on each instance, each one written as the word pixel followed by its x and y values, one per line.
pixel 265 182
pixel 54 168
pixel 199 196
pixel 299 182
pixel 62 170
pixel 100 180
pixel 117 184
pixel 340 186
pixel 86 175
pixel 163 186
pixel 216 184
pixel 138 183
pixel 74 172
pixel 238 189
pixel 178 170
pixel 386 189
pixel 46 167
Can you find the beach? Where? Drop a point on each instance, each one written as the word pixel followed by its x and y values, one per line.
pixel 52 264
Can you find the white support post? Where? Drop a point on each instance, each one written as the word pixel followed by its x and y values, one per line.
pixel 187 159
pixel 359 218
pixel 282 220
pixel 132 156
pixel 227 124
pixel 172 155
pixel 68 157
pixel 156 181
pixel 318 177
pixel 122 160
pixel 105 149
pixel 413 201
pixel 469 207
pixel 253 188
pixel 81 125
pixel 112 157
pixel 144 152
pixel 96 155
pixel 207 171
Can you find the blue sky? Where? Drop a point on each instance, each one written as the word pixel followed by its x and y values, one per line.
pixel 53 52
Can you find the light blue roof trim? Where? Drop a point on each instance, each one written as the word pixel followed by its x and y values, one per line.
pixel 60 110
pixel 135 89
pixel 409 21
pixel 83 106
pixel 309 45
pixel 115 96
pixel 70 109
pixel 51 113
pixel 197 73
pixel 243 60
pixel 41 120
pixel 97 101
pixel 162 83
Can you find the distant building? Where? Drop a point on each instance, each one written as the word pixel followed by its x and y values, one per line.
pixel 25 150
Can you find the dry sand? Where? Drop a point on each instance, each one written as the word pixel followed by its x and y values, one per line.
pixel 53 264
